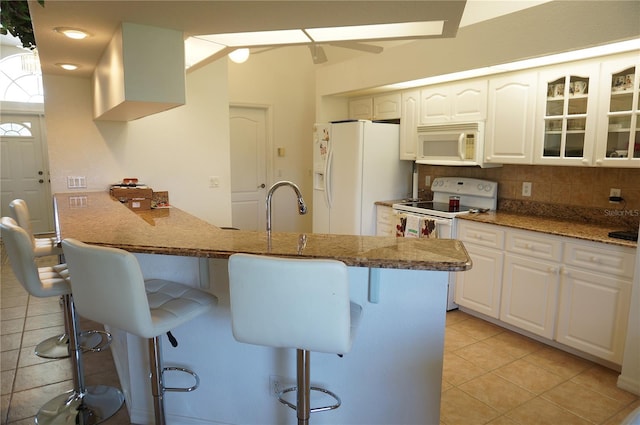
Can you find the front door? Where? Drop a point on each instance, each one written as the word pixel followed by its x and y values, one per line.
pixel 249 137
pixel 24 172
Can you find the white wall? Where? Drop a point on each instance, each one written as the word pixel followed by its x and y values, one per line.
pixel 283 79
pixel 174 150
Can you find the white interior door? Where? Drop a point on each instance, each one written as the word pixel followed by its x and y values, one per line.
pixel 24 172
pixel 249 137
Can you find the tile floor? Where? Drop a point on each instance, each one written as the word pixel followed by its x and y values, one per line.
pixel 491 375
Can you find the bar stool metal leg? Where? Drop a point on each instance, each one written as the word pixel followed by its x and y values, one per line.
pixel 157 381
pixel 303 409
pixel 82 405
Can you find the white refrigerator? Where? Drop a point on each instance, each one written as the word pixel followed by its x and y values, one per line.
pixel 355 164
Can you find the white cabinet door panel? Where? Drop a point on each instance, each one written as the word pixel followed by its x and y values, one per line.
pixel 529 294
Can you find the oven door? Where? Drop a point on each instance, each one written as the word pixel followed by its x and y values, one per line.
pixel 444 226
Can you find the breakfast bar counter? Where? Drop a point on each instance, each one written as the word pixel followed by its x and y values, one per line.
pixel 98 218
pixel 393 373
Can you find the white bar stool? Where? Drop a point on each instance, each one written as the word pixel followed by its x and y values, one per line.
pixel 293 303
pixel 82 405
pixel 41 246
pixel 108 287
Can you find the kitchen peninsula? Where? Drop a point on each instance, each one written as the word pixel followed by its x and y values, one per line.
pixel 392 375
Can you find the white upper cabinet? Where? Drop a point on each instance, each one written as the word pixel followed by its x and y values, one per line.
pixel 566 114
pixel 409 124
pixel 361 109
pixel 384 107
pixel 460 102
pixel 618 134
pixel 511 118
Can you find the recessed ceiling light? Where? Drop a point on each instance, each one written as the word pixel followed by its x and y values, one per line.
pixel 68 66
pixel 74 33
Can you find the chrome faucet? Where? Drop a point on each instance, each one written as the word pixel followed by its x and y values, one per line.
pixel 302 207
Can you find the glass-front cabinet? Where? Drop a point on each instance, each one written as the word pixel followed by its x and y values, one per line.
pixel 619 126
pixel 567 115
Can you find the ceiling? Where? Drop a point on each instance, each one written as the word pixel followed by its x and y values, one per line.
pixel 101 18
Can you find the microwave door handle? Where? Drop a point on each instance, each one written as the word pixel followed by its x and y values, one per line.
pixel 461 149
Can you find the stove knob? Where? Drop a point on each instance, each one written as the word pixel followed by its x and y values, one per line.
pixel 480 186
pixel 487 188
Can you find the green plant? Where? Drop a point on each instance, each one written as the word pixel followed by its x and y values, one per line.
pixel 16 20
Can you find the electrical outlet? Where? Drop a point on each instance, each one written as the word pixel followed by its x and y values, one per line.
pixel 427 181
pixel 214 181
pixel 526 189
pixel 615 196
pixel 278 384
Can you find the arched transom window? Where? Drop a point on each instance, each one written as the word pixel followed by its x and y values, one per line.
pixel 21 78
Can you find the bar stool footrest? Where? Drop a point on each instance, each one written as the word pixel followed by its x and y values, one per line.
pixel 183 370
pixel 331 394
pixel 103 344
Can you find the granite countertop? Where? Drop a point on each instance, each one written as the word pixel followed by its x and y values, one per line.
pixel 97 218
pixel 554 226
pixel 580 229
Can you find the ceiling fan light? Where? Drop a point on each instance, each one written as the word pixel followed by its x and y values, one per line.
pixel 239 55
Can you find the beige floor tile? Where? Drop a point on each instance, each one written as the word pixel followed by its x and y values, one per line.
pixel 17 301
pixel 12 326
pixel 623 414
pixel 25 404
pixel 49 305
pixel 10 342
pixel 503 420
pixel 43 321
pixel 9 359
pixel 529 376
pixel 542 412
pixel 6 381
pixel 457 407
pixel 4 407
pixel 14 290
pixel 456 370
pixel 456 316
pixel 603 381
pixel 36 336
pixel 497 392
pixel 559 362
pixel 13 312
pixel 455 339
pixel 584 402
pixel 515 344
pixel 485 356
pixel 477 328
pixel 43 374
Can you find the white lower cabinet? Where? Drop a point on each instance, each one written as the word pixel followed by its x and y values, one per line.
pixel 530 294
pixel 595 298
pixel 479 288
pixel 572 291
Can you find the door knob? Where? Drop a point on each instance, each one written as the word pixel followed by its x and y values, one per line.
pixel 40 181
pixel 40 173
pixel 262 186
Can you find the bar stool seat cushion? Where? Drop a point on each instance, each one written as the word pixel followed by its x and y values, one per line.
pixel 41 246
pixel 41 282
pixel 292 303
pixel 108 287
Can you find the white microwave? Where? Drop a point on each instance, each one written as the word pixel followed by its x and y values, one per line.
pixel 452 144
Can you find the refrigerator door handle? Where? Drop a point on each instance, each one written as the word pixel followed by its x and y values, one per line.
pixel 327 178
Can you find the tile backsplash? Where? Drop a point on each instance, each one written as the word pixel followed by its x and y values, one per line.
pixel 555 190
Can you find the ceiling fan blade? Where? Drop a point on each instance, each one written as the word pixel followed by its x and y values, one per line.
pixel 317 53
pixel 369 48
